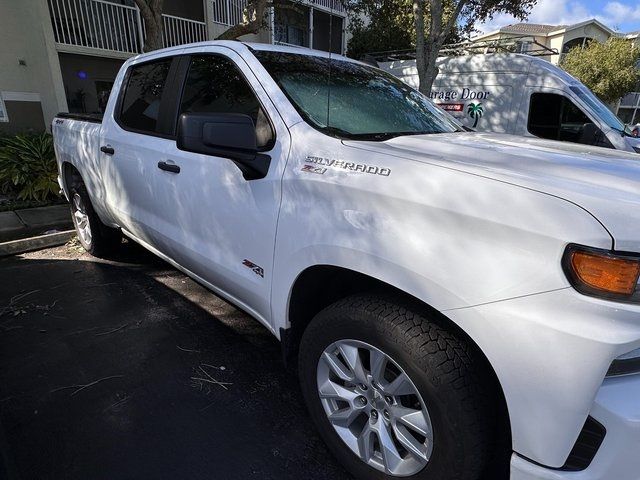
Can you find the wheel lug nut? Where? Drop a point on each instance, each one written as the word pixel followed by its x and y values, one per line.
pixel 374 415
pixel 386 415
pixel 363 386
pixel 388 399
pixel 362 401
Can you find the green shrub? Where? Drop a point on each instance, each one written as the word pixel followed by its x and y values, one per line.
pixel 28 167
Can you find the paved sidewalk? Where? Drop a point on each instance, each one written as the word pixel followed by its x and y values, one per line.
pixel 34 221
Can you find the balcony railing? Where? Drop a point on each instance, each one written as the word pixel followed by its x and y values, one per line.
pixel 109 26
pixel 228 12
pixel 231 12
pixel 178 31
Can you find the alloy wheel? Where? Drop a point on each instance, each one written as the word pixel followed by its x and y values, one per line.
pixel 81 219
pixel 374 407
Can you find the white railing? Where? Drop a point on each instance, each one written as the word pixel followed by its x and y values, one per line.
pixel 96 24
pixel 178 31
pixel 109 26
pixel 228 12
pixel 334 5
pixel 231 12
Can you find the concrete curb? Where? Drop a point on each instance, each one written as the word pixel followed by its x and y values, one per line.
pixel 24 245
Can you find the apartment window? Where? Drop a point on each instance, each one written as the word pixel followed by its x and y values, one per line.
pixel 291 27
pixel 143 95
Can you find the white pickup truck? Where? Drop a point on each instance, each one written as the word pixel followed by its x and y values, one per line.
pixel 460 305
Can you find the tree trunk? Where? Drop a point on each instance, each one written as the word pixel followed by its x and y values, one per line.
pixel 153 40
pixel 418 15
pixel 428 47
pixel 151 13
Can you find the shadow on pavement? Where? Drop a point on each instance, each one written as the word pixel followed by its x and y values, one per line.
pixel 109 370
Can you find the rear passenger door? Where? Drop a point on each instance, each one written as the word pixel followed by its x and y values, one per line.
pixel 211 220
pixel 132 144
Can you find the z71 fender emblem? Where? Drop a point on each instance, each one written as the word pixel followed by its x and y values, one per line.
pixel 313 169
pixel 256 269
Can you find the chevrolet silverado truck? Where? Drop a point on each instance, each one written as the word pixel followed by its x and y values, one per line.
pixel 459 305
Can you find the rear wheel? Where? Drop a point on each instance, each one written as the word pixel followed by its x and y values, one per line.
pixel 393 393
pixel 95 237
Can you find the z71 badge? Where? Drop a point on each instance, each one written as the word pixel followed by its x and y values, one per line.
pixel 258 270
pixel 313 169
pixel 349 166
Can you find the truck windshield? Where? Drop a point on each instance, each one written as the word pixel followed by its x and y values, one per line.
pixel 600 109
pixel 349 100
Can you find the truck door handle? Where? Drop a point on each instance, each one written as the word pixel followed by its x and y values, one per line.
pixel 107 149
pixel 169 167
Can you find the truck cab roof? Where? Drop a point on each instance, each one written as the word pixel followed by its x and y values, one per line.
pixel 240 46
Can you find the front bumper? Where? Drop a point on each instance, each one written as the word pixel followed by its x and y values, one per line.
pixel 617 406
pixel 551 353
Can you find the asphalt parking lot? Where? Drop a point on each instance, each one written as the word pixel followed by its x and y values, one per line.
pixel 127 369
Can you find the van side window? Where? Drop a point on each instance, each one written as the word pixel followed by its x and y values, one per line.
pixel 555 117
pixel 215 85
pixel 143 94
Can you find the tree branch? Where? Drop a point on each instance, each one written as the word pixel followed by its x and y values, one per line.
pixel 254 14
pixel 453 19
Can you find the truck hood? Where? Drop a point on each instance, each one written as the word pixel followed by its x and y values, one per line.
pixel 604 182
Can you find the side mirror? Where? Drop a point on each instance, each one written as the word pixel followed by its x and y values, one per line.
pixel 590 134
pixel 226 135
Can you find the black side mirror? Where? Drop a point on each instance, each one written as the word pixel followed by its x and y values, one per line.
pixel 227 135
pixel 590 134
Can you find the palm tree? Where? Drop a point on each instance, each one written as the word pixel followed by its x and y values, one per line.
pixel 475 111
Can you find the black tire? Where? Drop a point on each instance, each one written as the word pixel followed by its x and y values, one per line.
pixel 104 240
pixel 446 372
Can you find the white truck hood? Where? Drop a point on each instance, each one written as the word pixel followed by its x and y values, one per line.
pixel 604 182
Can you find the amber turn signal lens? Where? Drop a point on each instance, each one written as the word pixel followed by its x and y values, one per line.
pixel 604 272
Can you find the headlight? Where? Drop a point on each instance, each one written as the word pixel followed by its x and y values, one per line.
pixel 603 273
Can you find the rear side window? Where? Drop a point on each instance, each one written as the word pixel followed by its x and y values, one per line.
pixel 143 95
pixel 215 85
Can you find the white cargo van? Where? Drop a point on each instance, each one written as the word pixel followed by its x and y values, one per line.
pixel 520 95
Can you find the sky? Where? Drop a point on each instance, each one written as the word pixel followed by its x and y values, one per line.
pixel 620 15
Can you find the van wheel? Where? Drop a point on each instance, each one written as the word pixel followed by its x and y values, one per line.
pixel 393 393
pixel 94 236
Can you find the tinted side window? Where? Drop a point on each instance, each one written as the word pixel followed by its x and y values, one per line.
pixel 141 101
pixel 215 85
pixel 556 117
pixel 545 110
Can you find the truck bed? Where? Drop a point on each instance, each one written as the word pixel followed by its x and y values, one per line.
pixel 83 117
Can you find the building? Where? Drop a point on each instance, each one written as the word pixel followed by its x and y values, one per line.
pixel 63 55
pixel 552 42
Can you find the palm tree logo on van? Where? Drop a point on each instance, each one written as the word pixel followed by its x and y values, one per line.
pixel 475 111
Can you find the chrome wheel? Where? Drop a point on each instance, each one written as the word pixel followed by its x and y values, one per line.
pixel 374 407
pixel 81 219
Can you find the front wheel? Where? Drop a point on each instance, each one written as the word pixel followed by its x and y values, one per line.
pixel 393 393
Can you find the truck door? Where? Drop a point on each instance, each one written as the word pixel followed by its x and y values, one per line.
pixel 210 219
pixel 134 133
